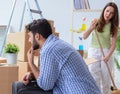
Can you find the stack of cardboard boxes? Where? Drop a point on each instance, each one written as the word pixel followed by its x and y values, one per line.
pixel 8 74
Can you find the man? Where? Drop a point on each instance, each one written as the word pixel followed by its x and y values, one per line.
pixel 62 68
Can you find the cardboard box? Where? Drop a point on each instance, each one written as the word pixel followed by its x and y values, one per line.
pixel 52 25
pixel 36 61
pixel 81 52
pixel 53 30
pixel 3 60
pixel 56 34
pixel 89 61
pixel 21 40
pixel 23 69
pixel 8 74
pixel 51 22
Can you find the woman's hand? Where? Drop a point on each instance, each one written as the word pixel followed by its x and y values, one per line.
pixel 93 24
pixel 90 29
pixel 106 58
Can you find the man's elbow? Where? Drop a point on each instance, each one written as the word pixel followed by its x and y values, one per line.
pixel 45 86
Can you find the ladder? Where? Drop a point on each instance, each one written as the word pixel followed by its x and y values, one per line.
pixel 29 10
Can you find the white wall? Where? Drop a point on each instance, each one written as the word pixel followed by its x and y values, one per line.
pixel 57 10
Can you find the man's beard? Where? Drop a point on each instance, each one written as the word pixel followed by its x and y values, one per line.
pixel 35 45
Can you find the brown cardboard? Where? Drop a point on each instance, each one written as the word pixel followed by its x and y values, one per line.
pixel 90 60
pixel 36 52
pixel 3 60
pixel 53 29
pixel 51 22
pixel 52 25
pixel 23 69
pixel 81 52
pixel 56 34
pixel 21 40
pixel 36 60
pixel 8 74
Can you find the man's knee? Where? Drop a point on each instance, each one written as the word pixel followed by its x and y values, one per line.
pixel 16 86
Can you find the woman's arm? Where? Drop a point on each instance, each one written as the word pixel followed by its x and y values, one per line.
pixel 112 48
pixel 90 29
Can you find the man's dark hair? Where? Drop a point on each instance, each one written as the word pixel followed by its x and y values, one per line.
pixel 40 26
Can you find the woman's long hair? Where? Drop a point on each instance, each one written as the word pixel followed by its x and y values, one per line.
pixel 114 20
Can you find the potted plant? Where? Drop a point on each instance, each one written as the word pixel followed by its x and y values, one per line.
pixel 11 51
pixel 118 45
pixel 117 58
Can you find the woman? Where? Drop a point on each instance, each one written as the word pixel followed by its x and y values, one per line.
pixel 106 27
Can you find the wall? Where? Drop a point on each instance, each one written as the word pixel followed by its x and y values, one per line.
pixel 57 10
